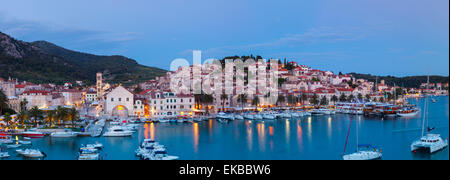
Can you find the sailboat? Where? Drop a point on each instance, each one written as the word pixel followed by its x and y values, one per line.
pixel 363 151
pixel 429 142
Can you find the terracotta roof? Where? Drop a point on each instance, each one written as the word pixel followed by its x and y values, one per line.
pixel 36 92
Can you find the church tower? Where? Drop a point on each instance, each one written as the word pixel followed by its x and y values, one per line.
pixel 99 85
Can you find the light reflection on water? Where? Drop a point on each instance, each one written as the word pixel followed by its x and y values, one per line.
pixel 317 137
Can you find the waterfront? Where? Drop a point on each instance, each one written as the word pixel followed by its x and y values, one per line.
pixel 316 137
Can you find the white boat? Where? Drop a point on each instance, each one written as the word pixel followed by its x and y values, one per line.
pixel 408 113
pixel 6 141
pixel 429 142
pixel 295 114
pixel 65 134
pixel 268 116
pixel 225 116
pixel 363 155
pixel 24 142
pixel 306 113
pixel 285 115
pixel 32 153
pixel 12 146
pixel 163 120
pixel 368 153
pixel 96 145
pixel 258 116
pixel 89 154
pixel 249 116
pixel 161 155
pixel 238 117
pixel 4 154
pixel 117 131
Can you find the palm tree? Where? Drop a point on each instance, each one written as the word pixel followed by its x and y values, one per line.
pixel 281 99
pixel 242 98
pixel 291 99
pixel 334 98
pixel 342 98
pixel 324 101
pixel 3 102
pixel 61 114
pixel 36 113
pixel 73 115
pixel 351 97
pixel 22 116
pixel 368 97
pixel 7 119
pixel 23 104
pixel 204 99
pixel 255 101
pixel 314 99
pixel 223 97
pixel 51 115
pixel 360 96
pixel 304 98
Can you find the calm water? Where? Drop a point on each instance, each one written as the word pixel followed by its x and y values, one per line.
pixel 317 137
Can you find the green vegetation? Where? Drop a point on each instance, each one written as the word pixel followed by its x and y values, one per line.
pixel 408 81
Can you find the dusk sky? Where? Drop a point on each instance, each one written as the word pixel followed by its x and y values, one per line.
pixel 382 37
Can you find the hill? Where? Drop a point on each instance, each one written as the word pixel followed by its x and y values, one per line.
pixel 408 81
pixel 43 62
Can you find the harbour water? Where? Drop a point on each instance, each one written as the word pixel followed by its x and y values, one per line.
pixel 306 138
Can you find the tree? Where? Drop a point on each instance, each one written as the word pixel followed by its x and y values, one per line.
pixel 22 116
pixel 314 99
pixel 291 99
pixel 204 99
pixel 342 98
pixel 242 98
pixel 36 113
pixel 7 119
pixel 255 101
pixel 334 98
pixel 351 97
pixel 367 97
pixel 381 99
pixel 324 101
pixel 281 99
pixel 389 96
pixel 3 102
pixel 304 98
pixel 360 96
pixel 51 115
pixel 23 104
pixel 73 115
pixel 61 114
pixel 223 97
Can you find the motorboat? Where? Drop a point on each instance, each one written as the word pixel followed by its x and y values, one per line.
pixel 117 131
pixel 258 117
pixel 96 146
pixel 430 143
pixel 24 142
pixel 226 116
pixel 161 155
pixel 33 134
pixel 269 116
pixel 238 117
pixel 285 115
pixel 32 153
pixel 12 146
pixel 4 154
pixel 88 154
pixel 65 134
pixel 249 116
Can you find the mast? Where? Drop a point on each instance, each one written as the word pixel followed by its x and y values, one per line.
pixel 357 138
pixel 425 113
pixel 428 105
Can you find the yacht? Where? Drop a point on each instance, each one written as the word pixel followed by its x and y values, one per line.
pixel 239 117
pixel 33 134
pixel 160 155
pixel 269 116
pixel 370 154
pixel 249 116
pixel 226 116
pixel 24 142
pixel 258 116
pixel 89 154
pixel 65 134
pixel 11 146
pixel 117 131
pixel 4 154
pixel 408 112
pixel 31 153
pixel 429 142
pixel 286 114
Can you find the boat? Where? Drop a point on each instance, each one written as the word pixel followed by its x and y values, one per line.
pixel 372 153
pixel 65 134
pixel 269 116
pixel 239 117
pixel 96 146
pixel 160 154
pixel 32 134
pixel 88 154
pixel 31 153
pixel 4 154
pixel 225 116
pixel 363 152
pixel 24 142
pixel 117 131
pixel 12 146
pixel 249 116
pixel 407 113
pixel 429 142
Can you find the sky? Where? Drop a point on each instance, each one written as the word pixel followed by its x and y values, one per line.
pixel 381 37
